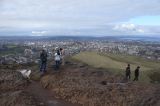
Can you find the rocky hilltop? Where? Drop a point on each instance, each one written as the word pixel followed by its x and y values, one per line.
pixel 75 83
pixel 12 89
pixel 98 87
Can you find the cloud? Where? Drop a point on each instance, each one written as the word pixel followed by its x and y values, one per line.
pixel 39 33
pixel 125 27
pixel 129 28
pixel 75 16
pixel 140 31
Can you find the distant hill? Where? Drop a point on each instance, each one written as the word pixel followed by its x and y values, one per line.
pixel 79 38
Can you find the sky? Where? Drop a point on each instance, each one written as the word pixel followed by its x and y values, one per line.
pixel 79 17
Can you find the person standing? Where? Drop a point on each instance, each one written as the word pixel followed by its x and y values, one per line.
pixel 62 56
pixel 43 57
pixel 128 72
pixel 57 59
pixel 136 73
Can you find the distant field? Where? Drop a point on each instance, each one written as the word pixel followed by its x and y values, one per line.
pixel 12 49
pixel 118 63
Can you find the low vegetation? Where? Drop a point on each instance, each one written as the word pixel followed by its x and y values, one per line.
pixel 11 49
pixel 117 63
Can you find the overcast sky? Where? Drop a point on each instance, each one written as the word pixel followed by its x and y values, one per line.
pixel 80 17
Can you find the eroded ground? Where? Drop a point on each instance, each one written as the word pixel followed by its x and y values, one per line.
pixel 98 87
pixel 74 85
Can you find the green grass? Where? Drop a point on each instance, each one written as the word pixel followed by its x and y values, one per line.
pixel 12 49
pixel 11 46
pixel 118 63
pixel 135 60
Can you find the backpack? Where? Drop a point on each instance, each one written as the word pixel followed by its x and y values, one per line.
pixel 58 53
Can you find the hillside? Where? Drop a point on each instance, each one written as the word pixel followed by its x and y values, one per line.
pixel 117 63
pixel 78 83
pixel 15 90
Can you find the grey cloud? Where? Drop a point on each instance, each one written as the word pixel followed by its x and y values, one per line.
pixel 73 16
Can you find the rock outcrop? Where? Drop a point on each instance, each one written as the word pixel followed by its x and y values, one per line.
pixel 12 93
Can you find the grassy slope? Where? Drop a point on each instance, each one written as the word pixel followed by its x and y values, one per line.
pixel 118 63
pixel 135 60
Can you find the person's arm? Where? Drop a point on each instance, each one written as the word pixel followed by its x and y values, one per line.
pixel 46 54
pixel 63 52
pixel 40 56
pixel 126 68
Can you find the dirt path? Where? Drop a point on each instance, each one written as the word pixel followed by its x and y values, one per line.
pixel 45 96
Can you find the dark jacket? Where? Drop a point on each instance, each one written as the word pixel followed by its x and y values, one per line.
pixel 43 57
pixel 137 72
pixel 128 71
